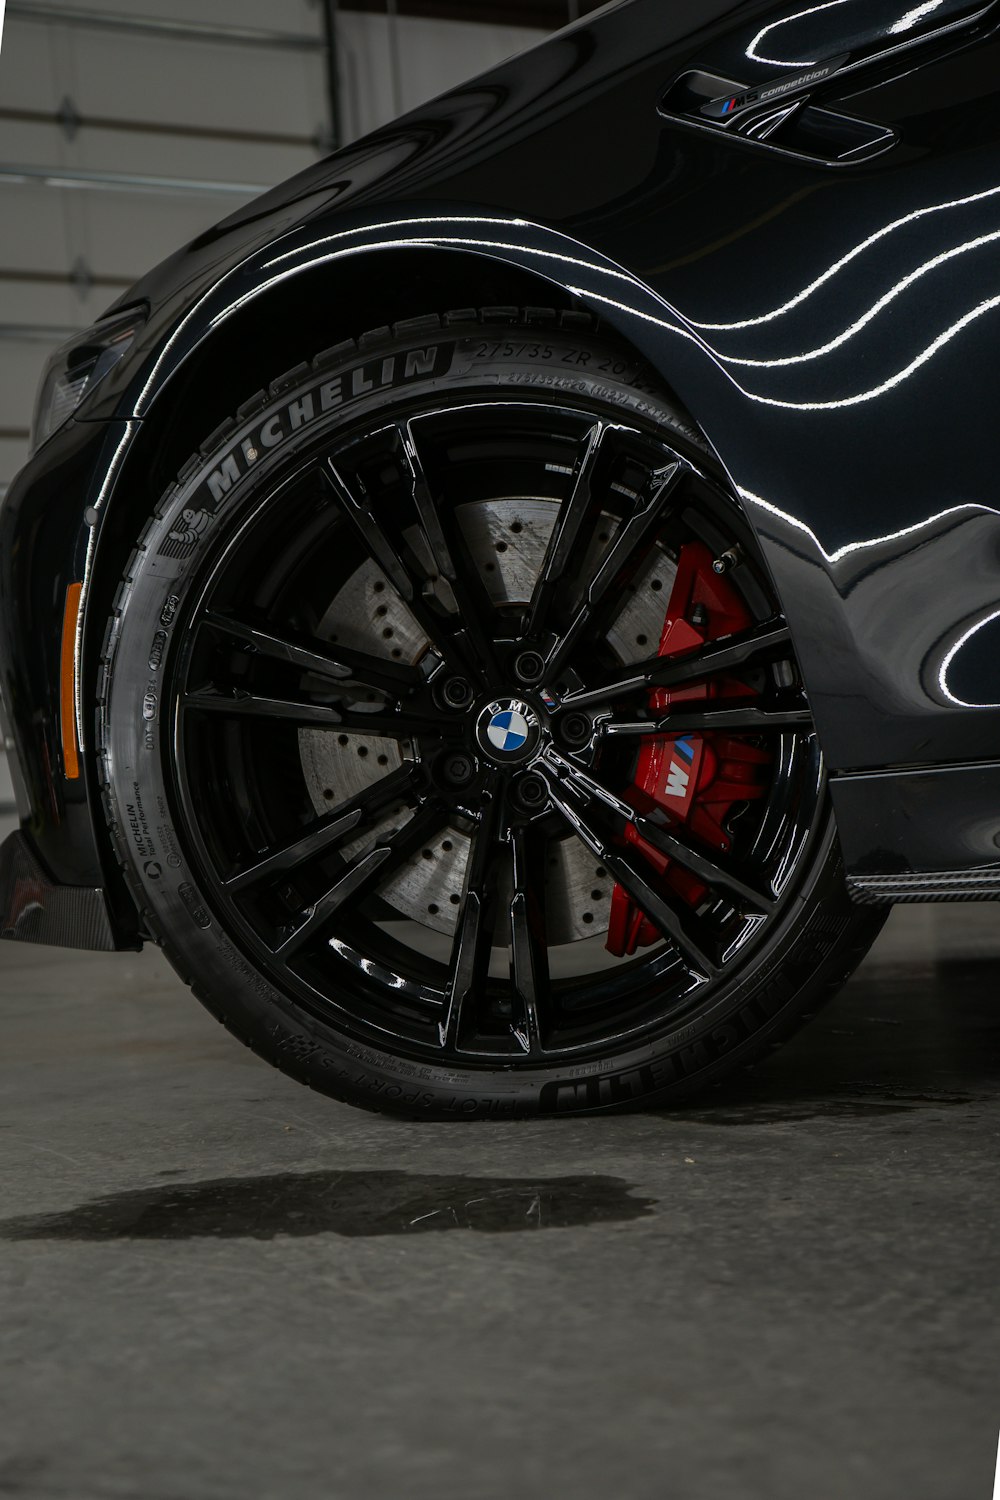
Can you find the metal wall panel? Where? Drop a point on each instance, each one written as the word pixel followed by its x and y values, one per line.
pixel 111 89
pixel 156 79
pixel 107 103
pixel 290 16
pixel 178 149
pixel 119 233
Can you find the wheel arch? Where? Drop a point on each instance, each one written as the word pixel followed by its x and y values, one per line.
pixel 247 330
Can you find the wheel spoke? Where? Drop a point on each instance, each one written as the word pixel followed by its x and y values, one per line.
pixel 417 536
pixel 470 963
pixel 735 719
pixel 767 641
pixel 362 874
pixel 670 923
pixel 570 526
pixel 324 834
pixel 663 839
pixel 339 663
pixel 475 609
pixel 426 511
pixel 390 724
pixel 391 557
pixel 629 545
pixel 529 958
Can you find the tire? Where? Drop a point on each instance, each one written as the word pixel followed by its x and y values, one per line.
pixel 340 789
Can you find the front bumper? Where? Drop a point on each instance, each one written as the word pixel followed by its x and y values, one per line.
pixel 58 883
pixel 34 910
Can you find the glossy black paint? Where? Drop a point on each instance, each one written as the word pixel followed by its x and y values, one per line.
pixel 893 826
pixel 831 326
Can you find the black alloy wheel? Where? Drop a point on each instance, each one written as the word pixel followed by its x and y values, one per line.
pixel 415 691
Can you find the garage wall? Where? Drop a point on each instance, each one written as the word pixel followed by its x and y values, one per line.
pixel 129 126
pixel 117 145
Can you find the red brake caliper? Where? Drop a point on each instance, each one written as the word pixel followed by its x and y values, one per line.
pixel 695 779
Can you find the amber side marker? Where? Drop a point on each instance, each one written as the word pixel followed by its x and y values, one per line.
pixel 67 683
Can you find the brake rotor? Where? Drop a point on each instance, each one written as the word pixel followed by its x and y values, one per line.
pixel 507 539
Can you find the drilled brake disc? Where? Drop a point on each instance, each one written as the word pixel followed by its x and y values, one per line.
pixel 508 541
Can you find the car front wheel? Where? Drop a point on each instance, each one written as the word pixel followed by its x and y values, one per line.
pixel 454 741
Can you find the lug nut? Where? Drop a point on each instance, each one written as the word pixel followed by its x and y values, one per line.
pixel 458 768
pixel 574 730
pixel 529 666
pixel 457 693
pixel 529 793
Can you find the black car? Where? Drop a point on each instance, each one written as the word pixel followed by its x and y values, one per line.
pixel 509 610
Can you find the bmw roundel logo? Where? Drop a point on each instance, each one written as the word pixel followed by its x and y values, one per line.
pixel 508 730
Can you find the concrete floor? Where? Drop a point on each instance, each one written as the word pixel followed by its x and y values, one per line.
pixel 215 1285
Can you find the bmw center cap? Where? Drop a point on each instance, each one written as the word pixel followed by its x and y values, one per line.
pixel 508 731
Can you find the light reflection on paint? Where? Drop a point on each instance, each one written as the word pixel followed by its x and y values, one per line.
pixel 907 22
pixel 951 513
pixel 843 402
pixel 894 381
pixel 412 223
pixel 963 641
pixel 877 307
pixel 108 479
pixel 761 504
pixel 797 62
pixel 845 260
pixel 914 17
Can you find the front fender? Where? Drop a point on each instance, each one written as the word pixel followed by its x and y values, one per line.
pixel 868 665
